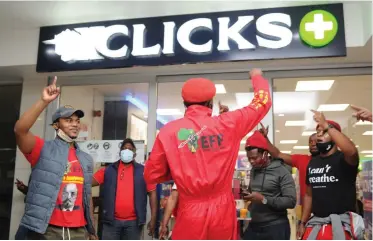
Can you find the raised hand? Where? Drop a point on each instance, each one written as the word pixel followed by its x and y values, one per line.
pixel 51 92
pixel 361 113
pixel 263 130
pixel 223 108
pixel 319 118
pixel 255 72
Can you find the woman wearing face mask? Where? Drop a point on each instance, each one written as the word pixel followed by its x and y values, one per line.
pixel 331 188
pixel 125 196
pixel 271 192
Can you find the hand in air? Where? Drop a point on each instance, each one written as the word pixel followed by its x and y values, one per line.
pixel 223 108
pixel 263 130
pixel 361 113
pixel 255 72
pixel 320 119
pixel 51 92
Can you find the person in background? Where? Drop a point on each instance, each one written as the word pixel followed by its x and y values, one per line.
pixel 199 152
pixel 125 196
pixel 299 161
pixel 22 231
pixel 271 193
pixel 361 113
pixel 331 187
pixel 21 186
pixel 58 203
pixel 171 209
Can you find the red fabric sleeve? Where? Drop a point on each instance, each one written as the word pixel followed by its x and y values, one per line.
pixel 156 167
pixel 151 187
pixel 34 156
pixel 100 175
pixel 246 118
pixel 298 159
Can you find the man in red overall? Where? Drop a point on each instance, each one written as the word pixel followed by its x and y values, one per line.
pixel 199 153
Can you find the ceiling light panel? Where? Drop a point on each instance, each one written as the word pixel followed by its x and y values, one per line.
pixel 333 107
pixel 220 89
pixel 366 152
pixel 301 147
pixel 296 123
pixel 363 123
pixel 368 133
pixel 288 141
pixel 286 152
pixel 308 133
pixel 314 85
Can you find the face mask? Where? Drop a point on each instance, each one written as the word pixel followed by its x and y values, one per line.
pixel 263 162
pixel 325 147
pixel 64 137
pixel 126 156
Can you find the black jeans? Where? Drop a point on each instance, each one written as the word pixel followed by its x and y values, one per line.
pixel 279 231
pixel 122 230
pixel 22 233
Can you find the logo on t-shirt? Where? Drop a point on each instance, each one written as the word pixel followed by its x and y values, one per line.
pixel 319 177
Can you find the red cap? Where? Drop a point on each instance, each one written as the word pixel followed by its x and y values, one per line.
pixel 198 90
pixel 257 140
pixel 334 124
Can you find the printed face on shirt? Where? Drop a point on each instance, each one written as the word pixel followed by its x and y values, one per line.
pixel 70 126
pixel 69 195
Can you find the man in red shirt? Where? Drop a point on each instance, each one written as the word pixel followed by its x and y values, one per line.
pixel 199 152
pixel 126 219
pixel 69 211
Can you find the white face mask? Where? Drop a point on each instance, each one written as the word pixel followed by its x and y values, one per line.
pixel 126 155
pixel 64 137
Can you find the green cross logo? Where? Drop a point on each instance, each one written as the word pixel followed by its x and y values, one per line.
pixel 318 28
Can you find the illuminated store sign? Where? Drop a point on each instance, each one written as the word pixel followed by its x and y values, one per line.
pixel 295 32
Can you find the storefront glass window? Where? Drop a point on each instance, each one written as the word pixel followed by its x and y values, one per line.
pixel 295 97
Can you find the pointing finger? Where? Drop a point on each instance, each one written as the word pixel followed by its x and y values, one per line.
pixel 355 107
pixel 55 80
pixel 261 125
pixel 314 111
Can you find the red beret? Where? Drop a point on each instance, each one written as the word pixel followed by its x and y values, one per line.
pixel 198 90
pixel 257 140
pixel 334 124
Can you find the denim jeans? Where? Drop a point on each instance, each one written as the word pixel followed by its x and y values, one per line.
pixel 22 233
pixel 121 230
pixel 279 231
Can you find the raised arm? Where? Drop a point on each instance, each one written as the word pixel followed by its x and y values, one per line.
pixel 341 141
pixel 25 139
pixel 156 167
pixel 245 119
pixel 272 149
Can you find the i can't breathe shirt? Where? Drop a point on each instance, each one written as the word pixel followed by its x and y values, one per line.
pixel 332 181
pixel 68 211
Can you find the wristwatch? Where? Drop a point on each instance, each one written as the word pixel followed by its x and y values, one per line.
pixel 264 201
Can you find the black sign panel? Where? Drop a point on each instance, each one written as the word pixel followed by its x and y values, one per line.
pixel 277 33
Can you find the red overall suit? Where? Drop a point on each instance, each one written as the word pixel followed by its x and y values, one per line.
pixel 199 153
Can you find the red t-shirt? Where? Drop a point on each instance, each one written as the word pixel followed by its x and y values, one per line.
pixel 301 162
pixel 69 210
pixel 124 201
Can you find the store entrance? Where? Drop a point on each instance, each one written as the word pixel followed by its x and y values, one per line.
pixel 10 100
